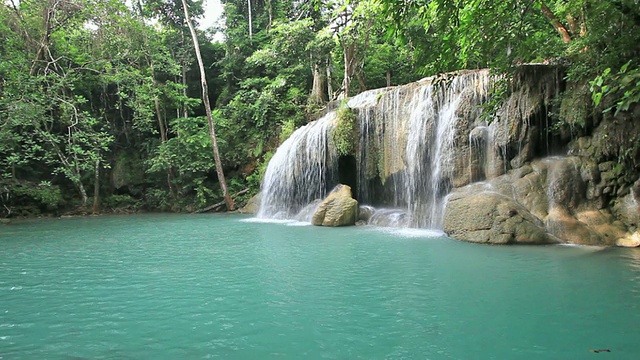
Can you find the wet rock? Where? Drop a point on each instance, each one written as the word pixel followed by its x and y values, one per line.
pixel 492 218
pixel 390 218
pixel 543 202
pixel 632 240
pixel 561 224
pixel 252 206
pixel 527 192
pixel 365 212
pixel 564 182
pixel 627 209
pixel 338 209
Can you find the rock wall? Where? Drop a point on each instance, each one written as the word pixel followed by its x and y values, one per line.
pixel 542 202
pixel 445 153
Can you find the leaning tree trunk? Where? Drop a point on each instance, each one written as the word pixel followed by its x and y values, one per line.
pixel 205 98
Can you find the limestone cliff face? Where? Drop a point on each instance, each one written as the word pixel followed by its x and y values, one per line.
pixel 586 194
pixel 541 202
pixel 445 153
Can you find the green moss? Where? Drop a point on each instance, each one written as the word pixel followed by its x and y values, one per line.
pixel 344 135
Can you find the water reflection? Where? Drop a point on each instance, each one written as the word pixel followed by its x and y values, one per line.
pixel 633 255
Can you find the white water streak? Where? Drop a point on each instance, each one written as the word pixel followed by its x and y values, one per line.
pixel 406 156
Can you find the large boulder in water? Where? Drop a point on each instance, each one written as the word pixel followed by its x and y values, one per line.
pixel 490 217
pixel 338 209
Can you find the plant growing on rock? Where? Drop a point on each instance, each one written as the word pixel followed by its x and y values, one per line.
pixel 344 134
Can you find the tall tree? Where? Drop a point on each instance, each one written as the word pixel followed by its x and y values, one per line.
pixel 205 98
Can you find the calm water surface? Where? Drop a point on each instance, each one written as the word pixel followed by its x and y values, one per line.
pixel 192 287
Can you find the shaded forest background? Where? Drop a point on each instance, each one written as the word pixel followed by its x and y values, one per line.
pixel 100 102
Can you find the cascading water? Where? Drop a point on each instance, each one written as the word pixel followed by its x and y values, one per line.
pixel 408 134
pixel 302 170
pixel 406 156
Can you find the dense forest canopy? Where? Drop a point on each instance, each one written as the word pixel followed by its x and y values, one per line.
pixel 100 103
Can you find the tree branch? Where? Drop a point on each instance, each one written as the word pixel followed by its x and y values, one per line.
pixel 561 29
pixel 218 205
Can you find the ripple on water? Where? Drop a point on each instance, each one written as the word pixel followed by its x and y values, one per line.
pixel 166 287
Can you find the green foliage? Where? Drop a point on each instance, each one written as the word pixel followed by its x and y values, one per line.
pixel 254 180
pixel 95 81
pixel 17 196
pixel 158 199
pixel 121 203
pixel 344 133
pixel 499 92
pixel 622 87
pixel 288 127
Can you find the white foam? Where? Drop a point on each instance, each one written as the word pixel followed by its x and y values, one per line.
pixel 410 232
pixel 393 231
pixel 587 247
pixel 268 221
pixel 298 223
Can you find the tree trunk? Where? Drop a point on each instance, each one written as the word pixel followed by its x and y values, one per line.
pixel 350 66
pixel 361 82
pixel 250 18
pixel 388 78
pixel 270 11
pixel 83 194
pixel 561 29
pixel 73 170
pixel 346 79
pixel 162 125
pixel 317 90
pixel 205 98
pixel 156 103
pixel 47 28
pixel 96 189
pixel 329 79
pixel 183 65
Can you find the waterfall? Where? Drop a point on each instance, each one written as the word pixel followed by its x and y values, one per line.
pixel 407 145
pixel 407 153
pixel 301 171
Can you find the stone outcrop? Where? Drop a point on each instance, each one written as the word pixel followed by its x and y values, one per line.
pixel 338 209
pixel 629 241
pixel 490 217
pixel 530 168
pixel 252 206
pixel 540 203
